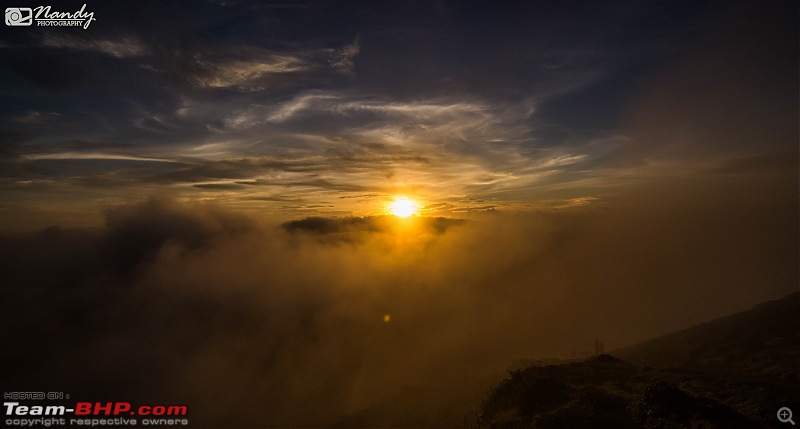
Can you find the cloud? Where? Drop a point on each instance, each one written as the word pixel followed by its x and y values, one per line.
pixel 92 155
pixel 327 184
pixel 39 118
pixel 124 47
pixel 248 75
pixel 314 139
pixel 255 69
pixel 342 59
pixel 175 301
pixel 313 99
pixel 218 186
pixel 358 225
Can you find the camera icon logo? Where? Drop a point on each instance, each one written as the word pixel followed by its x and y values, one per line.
pixel 19 16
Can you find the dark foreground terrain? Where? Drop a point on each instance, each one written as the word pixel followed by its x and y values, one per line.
pixel 733 372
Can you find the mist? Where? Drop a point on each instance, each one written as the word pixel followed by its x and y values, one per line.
pixel 303 323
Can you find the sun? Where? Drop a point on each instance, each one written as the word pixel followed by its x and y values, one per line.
pixel 403 207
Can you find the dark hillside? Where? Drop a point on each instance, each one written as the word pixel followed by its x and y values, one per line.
pixel 763 341
pixel 732 372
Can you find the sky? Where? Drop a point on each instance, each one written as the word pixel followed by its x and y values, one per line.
pixel 193 195
pixel 331 108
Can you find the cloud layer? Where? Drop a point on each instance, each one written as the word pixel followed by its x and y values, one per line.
pixel 309 322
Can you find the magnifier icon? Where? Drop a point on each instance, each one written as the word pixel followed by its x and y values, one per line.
pixel 785 415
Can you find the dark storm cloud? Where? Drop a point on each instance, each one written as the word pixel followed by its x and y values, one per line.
pixel 179 302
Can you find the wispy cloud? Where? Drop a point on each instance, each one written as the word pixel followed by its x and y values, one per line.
pixel 252 69
pixel 319 142
pixel 342 59
pixel 248 75
pixel 125 47
pixel 244 101
pixel 92 156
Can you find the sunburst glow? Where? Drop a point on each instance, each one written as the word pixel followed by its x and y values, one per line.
pixel 403 207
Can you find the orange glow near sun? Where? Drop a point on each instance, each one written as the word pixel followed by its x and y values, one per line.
pixel 403 207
